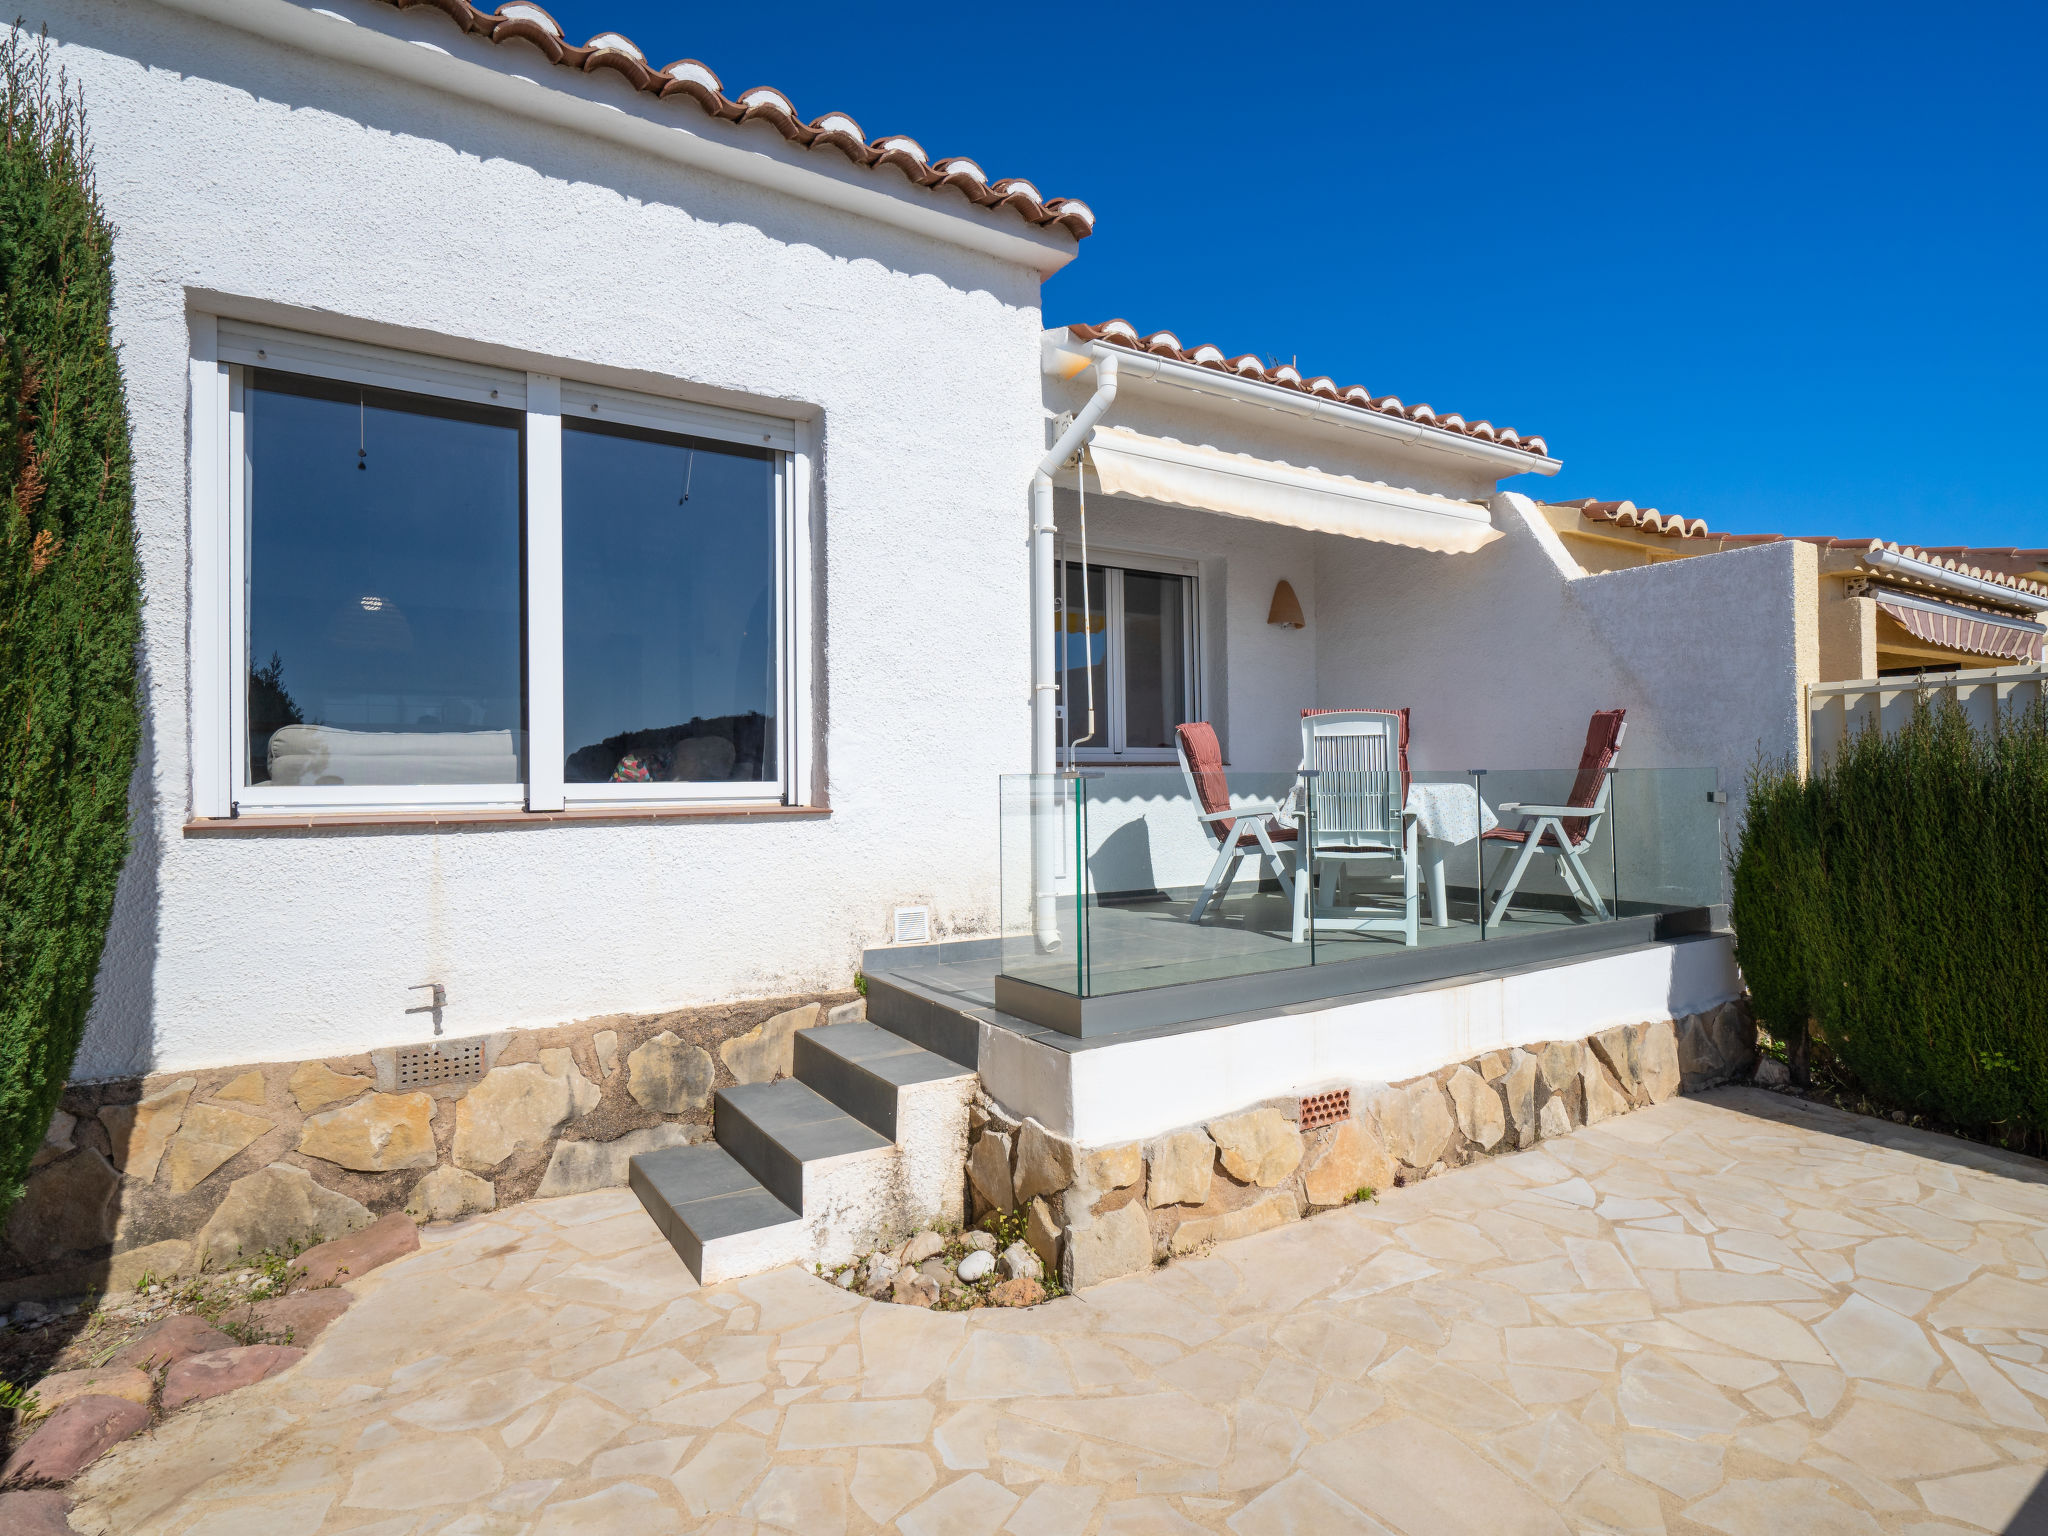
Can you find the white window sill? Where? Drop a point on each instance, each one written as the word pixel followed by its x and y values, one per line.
pixel 333 821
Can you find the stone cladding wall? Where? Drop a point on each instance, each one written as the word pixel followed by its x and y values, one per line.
pixel 169 1172
pixel 1093 1213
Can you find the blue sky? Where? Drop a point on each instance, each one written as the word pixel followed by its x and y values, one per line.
pixel 1778 267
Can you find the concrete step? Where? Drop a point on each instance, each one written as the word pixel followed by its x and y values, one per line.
pixel 864 1069
pixel 939 1024
pixel 863 1145
pixel 774 1129
pixel 717 1216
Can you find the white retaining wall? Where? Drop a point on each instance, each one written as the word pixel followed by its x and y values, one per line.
pixel 1122 1092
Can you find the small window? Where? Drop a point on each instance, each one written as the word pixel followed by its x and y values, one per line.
pixel 1126 662
pixel 384 592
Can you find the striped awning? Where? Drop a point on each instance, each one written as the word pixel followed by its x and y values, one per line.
pixel 1956 628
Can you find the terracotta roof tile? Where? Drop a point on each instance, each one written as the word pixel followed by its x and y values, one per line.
pixel 522 21
pixel 1627 514
pixel 1122 333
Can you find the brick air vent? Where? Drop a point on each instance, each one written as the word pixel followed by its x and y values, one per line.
pixel 437 1061
pixel 1325 1108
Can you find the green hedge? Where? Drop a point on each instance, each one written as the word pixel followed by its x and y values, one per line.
pixel 1897 900
pixel 68 597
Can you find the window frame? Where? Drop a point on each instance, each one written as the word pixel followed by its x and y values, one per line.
pixel 223 350
pixel 1115 563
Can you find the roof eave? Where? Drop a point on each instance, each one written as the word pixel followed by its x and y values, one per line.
pixel 1881 557
pixel 1135 366
pixel 399 43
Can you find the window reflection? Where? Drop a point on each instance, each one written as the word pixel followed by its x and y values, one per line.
pixel 384 587
pixel 668 608
pixel 1155 658
pixel 1083 637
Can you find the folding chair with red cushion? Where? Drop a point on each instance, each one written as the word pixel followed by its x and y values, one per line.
pixel 1565 831
pixel 1236 830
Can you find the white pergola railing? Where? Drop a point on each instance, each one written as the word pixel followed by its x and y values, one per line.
pixel 1835 711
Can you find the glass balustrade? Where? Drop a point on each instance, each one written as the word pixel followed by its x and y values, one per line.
pixel 1122 879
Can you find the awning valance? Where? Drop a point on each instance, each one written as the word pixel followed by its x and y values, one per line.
pixel 1964 629
pixel 1128 463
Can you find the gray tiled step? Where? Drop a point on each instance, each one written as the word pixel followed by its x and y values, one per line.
pixel 902 1007
pixel 773 1129
pixel 861 1067
pixel 699 1195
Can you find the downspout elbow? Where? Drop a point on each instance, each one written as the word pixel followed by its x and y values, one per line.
pixel 1071 440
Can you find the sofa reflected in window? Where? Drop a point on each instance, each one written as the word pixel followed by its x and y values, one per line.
pixel 732 748
pixel 326 754
pixel 384 587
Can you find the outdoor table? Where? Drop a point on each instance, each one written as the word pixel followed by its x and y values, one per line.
pixel 1445 816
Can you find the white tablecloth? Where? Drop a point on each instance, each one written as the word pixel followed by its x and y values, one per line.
pixel 1450 813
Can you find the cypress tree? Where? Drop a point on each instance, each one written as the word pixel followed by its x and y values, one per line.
pixel 69 596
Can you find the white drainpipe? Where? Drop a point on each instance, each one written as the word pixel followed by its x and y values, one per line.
pixel 1045 801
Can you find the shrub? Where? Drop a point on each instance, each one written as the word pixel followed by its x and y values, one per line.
pixel 68 597
pixel 1894 905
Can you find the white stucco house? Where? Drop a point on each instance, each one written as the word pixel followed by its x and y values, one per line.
pixel 606 541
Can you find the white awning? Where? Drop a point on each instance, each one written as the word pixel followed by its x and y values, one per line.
pixel 1180 474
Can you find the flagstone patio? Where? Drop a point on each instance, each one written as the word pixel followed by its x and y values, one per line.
pixel 1736 1313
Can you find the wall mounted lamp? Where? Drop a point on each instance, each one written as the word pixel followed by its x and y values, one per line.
pixel 1286 609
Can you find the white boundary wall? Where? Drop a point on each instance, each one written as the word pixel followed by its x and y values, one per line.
pixel 1837 711
pixel 1124 1092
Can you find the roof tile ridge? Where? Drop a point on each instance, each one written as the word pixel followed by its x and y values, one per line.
pixel 523 20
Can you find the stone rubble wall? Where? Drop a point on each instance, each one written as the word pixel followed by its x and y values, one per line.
pixel 166 1173
pixel 1095 1213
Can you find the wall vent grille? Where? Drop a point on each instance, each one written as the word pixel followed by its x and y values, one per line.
pixel 440 1061
pixel 1325 1108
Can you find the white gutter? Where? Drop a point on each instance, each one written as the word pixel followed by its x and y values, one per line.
pixel 1045 801
pixel 1884 559
pixel 396 43
pixel 1140 367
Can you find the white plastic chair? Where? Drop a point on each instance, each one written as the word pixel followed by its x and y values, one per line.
pixel 1565 832
pixel 1359 814
pixel 1237 830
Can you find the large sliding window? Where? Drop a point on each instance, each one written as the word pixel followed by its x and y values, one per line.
pixel 1127 653
pixel 440 585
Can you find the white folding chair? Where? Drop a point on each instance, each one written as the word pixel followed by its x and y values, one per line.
pixel 1358 814
pixel 1564 831
pixel 1237 830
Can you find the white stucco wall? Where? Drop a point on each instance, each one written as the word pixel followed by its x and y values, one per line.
pixel 1504 654
pixel 249 179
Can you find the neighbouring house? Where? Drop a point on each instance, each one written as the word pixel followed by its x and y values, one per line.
pixel 623 560
pixel 1881 609
pixel 1877 610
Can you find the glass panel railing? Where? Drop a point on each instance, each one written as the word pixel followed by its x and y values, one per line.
pixel 1668 826
pixel 1551 861
pixel 1175 894
pixel 1041 822
pixel 1117 880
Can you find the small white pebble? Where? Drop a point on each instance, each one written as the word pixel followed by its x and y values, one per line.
pixel 977 1265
